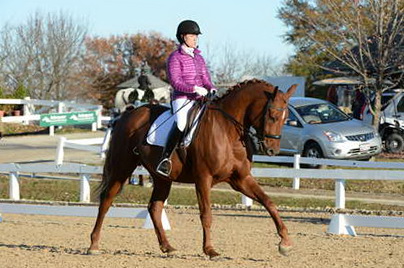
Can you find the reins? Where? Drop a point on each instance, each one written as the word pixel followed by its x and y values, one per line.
pixel 240 126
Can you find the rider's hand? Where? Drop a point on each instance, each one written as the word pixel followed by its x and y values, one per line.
pixel 213 91
pixel 201 91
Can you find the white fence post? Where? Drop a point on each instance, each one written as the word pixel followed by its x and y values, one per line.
pixel 61 109
pixel 60 151
pixel 339 225
pixel 99 114
pixel 148 223
pixel 52 131
pixel 105 143
pixel 85 188
pixel 340 193
pixel 296 165
pixel 245 200
pixel 14 186
pixel 26 111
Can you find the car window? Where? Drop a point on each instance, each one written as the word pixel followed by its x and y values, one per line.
pixel 400 105
pixel 292 118
pixel 321 113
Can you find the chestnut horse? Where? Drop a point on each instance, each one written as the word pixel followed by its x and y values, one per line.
pixel 218 153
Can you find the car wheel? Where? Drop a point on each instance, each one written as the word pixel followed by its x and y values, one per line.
pixel 313 150
pixel 394 143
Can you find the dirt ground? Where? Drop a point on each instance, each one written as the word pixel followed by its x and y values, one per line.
pixel 244 238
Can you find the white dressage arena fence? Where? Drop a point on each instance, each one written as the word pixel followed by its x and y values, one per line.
pixel 340 223
pixel 85 174
pixel 96 145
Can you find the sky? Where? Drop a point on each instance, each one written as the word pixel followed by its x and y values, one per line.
pixel 243 25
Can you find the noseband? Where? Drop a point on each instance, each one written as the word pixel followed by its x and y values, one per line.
pixel 268 106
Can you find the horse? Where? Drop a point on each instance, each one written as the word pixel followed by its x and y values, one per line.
pixel 220 152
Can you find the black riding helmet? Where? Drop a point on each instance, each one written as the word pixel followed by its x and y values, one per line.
pixel 187 27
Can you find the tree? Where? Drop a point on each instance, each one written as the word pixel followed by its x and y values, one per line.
pixel 362 37
pixel 234 65
pixel 42 53
pixel 111 61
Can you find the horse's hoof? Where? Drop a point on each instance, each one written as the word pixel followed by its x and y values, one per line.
pixel 94 252
pixel 212 253
pixel 168 249
pixel 285 250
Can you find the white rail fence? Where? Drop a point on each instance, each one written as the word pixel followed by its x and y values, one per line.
pixel 31 114
pixel 340 223
pixel 85 172
pixel 96 145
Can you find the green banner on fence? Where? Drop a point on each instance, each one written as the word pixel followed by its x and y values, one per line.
pixel 63 119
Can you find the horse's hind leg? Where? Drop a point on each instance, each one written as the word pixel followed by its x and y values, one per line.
pixel 161 190
pixel 249 187
pixel 113 187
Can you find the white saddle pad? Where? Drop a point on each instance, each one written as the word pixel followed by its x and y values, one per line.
pixel 159 130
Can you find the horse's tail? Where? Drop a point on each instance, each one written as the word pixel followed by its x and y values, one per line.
pixel 108 173
pixel 103 187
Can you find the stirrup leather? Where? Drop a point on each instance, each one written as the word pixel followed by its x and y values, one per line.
pixel 164 167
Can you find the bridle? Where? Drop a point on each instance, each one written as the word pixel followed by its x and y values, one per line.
pixel 268 106
pixel 260 136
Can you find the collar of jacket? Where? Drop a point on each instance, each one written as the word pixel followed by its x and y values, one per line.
pixel 196 51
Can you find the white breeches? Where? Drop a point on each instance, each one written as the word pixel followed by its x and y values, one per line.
pixel 180 110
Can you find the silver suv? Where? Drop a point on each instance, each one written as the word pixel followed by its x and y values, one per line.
pixel 317 128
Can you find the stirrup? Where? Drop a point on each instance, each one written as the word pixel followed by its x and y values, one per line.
pixel 162 167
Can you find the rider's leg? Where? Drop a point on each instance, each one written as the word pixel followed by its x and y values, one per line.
pixel 180 110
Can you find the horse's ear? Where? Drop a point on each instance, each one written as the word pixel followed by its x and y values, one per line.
pixel 290 91
pixel 271 96
pixel 275 91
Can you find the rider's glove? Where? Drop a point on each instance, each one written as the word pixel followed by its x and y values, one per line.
pixel 213 91
pixel 201 91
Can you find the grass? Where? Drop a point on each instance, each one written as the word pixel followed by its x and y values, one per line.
pixel 16 128
pixel 20 129
pixel 68 190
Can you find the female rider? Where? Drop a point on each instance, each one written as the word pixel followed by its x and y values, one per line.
pixel 190 80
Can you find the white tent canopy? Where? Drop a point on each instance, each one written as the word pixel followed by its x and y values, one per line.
pixel 342 81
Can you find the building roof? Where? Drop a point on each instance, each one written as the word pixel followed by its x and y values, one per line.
pixel 154 80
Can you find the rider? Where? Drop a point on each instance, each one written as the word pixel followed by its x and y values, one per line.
pixel 190 80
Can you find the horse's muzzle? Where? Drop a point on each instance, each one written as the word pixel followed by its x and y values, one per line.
pixel 271 152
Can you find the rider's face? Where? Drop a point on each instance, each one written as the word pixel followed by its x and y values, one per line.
pixel 191 40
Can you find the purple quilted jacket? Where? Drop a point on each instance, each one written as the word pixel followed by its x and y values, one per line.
pixel 185 72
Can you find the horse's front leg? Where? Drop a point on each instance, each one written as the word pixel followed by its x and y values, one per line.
pixel 161 190
pixel 203 187
pixel 249 187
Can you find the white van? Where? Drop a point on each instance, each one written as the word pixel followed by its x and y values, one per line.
pixel 391 126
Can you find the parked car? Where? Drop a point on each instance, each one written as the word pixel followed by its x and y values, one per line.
pixel 318 128
pixel 391 127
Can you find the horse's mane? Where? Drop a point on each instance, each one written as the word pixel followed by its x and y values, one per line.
pixel 240 86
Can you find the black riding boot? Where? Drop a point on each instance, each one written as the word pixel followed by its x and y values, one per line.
pixel 164 166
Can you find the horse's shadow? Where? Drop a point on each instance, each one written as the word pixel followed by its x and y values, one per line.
pixel 148 254
pixel 46 248
pixel 312 220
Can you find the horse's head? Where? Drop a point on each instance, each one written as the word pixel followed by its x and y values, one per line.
pixel 274 115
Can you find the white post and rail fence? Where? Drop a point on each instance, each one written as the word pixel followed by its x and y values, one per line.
pixel 95 145
pixel 340 223
pixel 55 113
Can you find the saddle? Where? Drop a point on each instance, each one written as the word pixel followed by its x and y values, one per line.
pixel 158 132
